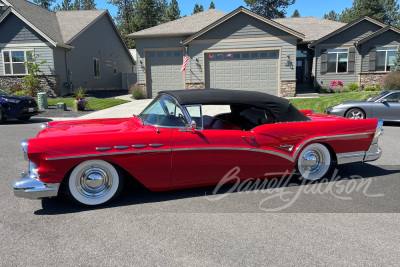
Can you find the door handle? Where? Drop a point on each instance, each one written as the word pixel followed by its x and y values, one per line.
pixel 250 137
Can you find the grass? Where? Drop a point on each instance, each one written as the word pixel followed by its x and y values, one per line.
pixel 320 104
pixel 94 103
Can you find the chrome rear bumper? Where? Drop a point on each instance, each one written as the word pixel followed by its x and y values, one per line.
pixel 32 188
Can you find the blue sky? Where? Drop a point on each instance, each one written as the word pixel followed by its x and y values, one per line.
pixel 316 8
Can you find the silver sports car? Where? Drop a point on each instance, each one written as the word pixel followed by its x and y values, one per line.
pixel 385 106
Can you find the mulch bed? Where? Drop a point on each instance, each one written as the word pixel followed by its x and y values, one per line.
pixel 52 112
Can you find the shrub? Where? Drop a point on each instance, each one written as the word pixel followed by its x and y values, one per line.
pixel 137 92
pixel 19 93
pixel 343 89
pixel 372 88
pixel 391 81
pixel 353 86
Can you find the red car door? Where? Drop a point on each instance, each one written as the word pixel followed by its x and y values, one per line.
pixel 207 156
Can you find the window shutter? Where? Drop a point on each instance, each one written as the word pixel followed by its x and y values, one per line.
pixel 352 59
pixel 372 56
pixel 324 61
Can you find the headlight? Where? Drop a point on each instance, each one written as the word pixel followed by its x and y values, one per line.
pixel 15 101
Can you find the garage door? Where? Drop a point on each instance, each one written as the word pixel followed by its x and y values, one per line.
pixel 163 71
pixel 256 71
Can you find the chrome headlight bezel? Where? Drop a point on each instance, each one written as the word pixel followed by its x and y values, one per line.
pixel 24 145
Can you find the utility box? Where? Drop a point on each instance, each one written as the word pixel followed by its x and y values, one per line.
pixel 61 106
pixel 42 100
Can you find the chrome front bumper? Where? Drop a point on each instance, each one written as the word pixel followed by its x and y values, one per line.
pixel 30 187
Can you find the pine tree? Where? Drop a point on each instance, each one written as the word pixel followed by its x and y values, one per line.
pixel 359 8
pixel 396 62
pixel 66 5
pixel 88 4
pixel 124 20
pixel 77 5
pixel 198 8
pixel 212 6
pixel 392 13
pixel 146 14
pixel 296 14
pixel 173 11
pixel 332 16
pixel 44 3
pixel 269 8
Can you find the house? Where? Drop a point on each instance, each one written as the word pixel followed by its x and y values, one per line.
pixel 81 48
pixel 242 50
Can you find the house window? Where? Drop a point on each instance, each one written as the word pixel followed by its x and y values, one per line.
pixel 108 63
pixel 96 67
pixel 337 60
pixel 14 62
pixel 385 58
pixel 115 67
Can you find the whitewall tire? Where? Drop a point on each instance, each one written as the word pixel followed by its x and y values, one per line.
pixel 314 162
pixel 94 182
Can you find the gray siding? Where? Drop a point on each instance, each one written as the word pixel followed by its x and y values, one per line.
pixel 353 34
pixel 14 31
pixel 388 38
pixel 242 26
pixel 45 52
pixel 60 64
pixel 326 79
pixel 288 47
pixel 153 43
pixel 100 41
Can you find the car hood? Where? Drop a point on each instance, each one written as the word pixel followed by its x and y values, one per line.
pixel 18 97
pixel 97 126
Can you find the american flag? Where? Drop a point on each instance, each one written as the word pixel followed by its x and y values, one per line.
pixel 184 64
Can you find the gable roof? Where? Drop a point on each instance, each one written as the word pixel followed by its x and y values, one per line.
pixel 313 28
pixel 181 27
pixel 59 28
pixel 347 26
pixel 377 33
pixel 248 12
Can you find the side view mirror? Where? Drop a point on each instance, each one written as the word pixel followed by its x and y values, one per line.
pixel 383 100
pixel 190 127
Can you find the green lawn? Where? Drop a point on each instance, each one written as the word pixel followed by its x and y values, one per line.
pixel 94 103
pixel 320 104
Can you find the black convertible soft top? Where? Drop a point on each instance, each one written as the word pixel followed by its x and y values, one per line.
pixel 281 108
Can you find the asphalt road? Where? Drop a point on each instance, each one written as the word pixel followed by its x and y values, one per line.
pixel 337 222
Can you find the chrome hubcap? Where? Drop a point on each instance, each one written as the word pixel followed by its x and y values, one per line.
pixel 356 115
pixel 313 161
pixel 94 181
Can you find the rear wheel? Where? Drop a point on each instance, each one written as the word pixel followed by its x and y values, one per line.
pixel 355 114
pixel 314 162
pixel 94 182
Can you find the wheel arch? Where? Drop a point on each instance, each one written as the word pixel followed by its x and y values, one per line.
pixel 362 109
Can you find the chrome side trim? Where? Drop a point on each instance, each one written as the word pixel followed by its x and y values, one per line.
pixel 103 148
pixel 139 146
pixel 156 145
pixel 276 153
pixel 111 154
pixel 349 157
pixel 121 147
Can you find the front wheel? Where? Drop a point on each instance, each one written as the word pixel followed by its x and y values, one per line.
pixel 94 182
pixel 355 114
pixel 314 162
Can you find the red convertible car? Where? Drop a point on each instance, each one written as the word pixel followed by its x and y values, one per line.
pixel 172 145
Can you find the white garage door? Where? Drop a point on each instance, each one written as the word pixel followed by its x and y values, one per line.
pixel 163 71
pixel 256 71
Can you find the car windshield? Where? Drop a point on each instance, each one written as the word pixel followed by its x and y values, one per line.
pixel 164 111
pixel 2 92
pixel 374 98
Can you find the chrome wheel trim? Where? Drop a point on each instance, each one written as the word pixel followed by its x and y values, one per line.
pixel 355 114
pixel 314 161
pixel 93 182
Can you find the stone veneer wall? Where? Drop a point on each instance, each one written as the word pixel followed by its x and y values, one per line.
pixel 197 85
pixel 47 83
pixel 288 88
pixel 371 79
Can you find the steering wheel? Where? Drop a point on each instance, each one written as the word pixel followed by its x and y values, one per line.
pixel 182 119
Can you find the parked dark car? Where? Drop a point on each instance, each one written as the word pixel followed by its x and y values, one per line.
pixel 385 106
pixel 16 107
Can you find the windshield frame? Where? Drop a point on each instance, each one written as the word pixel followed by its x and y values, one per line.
pixel 183 109
pixel 380 96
